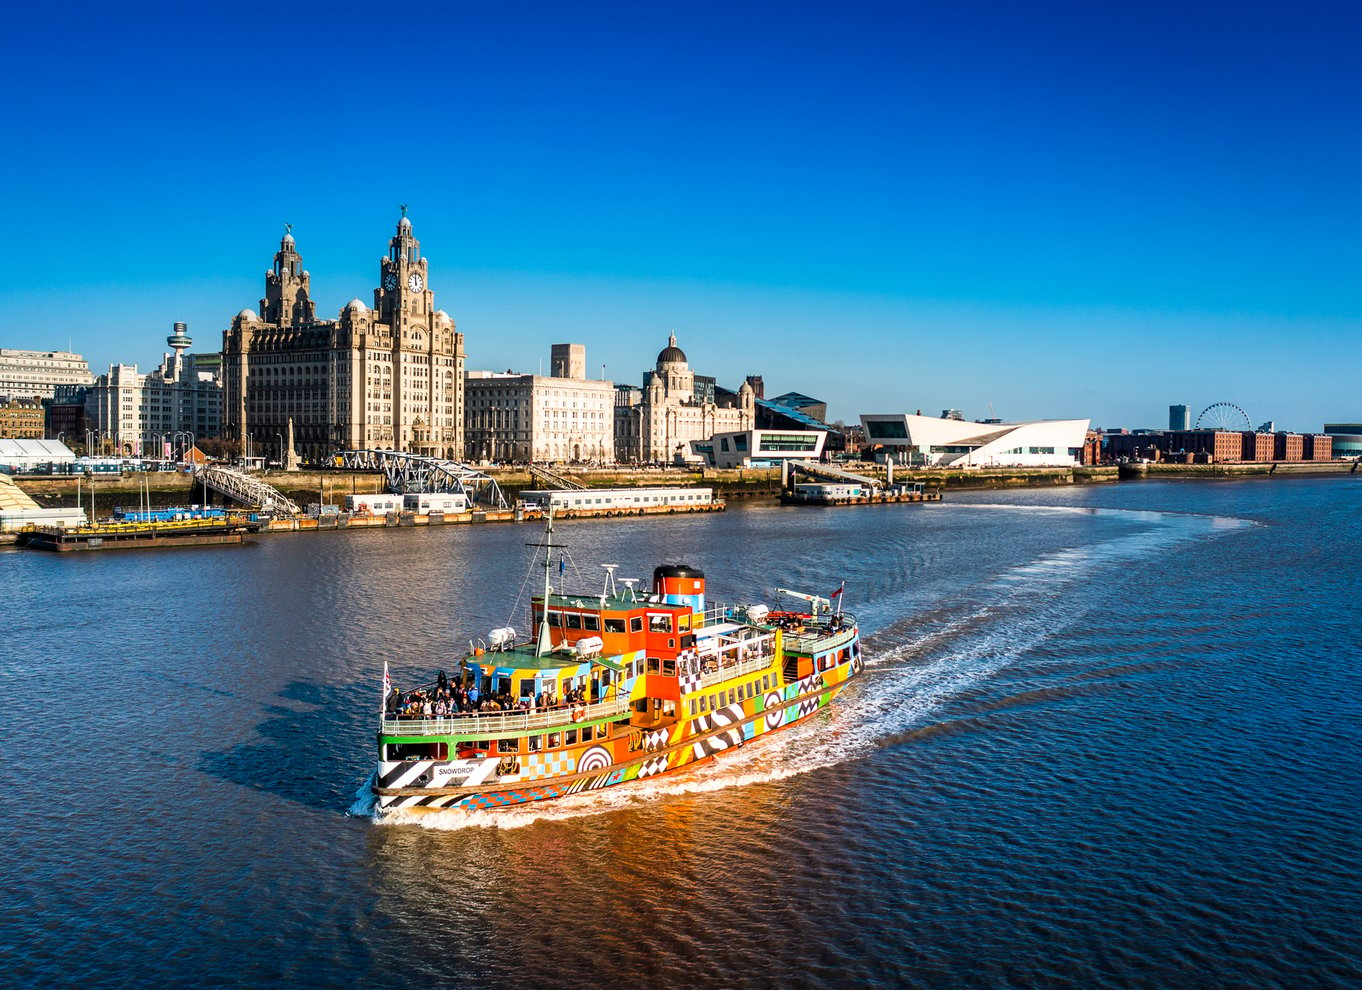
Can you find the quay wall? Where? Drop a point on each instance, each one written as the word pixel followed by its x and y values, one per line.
pixel 330 487
pixel 1252 469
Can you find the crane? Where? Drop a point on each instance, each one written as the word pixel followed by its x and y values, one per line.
pixel 815 601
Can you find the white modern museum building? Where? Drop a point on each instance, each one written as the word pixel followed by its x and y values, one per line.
pixel 958 443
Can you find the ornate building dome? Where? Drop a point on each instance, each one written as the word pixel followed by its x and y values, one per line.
pixel 671 354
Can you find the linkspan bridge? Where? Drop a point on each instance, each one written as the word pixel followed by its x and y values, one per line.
pixel 243 488
pixel 418 473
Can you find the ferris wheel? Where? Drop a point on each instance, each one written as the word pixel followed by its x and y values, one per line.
pixel 1223 416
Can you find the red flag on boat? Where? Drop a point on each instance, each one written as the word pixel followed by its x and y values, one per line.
pixel 838 592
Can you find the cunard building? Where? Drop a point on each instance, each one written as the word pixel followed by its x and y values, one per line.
pixel 390 376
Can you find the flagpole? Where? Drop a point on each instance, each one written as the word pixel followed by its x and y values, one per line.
pixel 841 589
pixel 387 689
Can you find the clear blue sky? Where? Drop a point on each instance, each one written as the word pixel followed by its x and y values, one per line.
pixel 1046 210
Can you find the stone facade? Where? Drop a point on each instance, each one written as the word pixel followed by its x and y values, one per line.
pixel 520 418
pixel 30 373
pixel 21 418
pixel 656 424
pixel 390 376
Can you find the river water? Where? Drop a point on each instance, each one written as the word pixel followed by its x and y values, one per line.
pixel 1106 736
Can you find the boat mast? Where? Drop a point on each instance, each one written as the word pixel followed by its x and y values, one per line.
pixel 544 645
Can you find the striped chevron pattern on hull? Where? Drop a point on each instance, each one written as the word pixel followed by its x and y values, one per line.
pixel 717 742
pixel 615 687
pixel 740 728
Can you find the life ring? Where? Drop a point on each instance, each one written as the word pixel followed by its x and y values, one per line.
pixel 578 714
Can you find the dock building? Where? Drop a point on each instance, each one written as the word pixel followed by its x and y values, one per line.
pixel 951 442
pixel 795 411
pixel 564 416
pixel 759 448
pixel 1221 446
pixel 657 423
pixel 387 376
pixel 1346 438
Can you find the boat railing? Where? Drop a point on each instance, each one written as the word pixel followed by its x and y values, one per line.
pixel 502 723
pixel 711 675
pixel 811 635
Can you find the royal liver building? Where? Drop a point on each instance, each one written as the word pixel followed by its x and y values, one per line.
pixel 389 377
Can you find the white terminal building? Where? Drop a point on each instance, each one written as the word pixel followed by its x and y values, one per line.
pixel 952 442
pixel 759 448
pixel 563 417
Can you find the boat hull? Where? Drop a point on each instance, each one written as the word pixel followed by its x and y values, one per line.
pixel 669 750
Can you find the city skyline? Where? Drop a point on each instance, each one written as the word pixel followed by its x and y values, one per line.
pixel 1047 213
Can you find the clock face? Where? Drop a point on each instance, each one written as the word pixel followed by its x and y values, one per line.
pixel 414 282
pixel 390 281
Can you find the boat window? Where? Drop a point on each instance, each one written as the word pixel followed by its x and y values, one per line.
pixel 570 737
pixel 602 731
pixel 693 704
pixel 668 668
pixel 636 623
pixel 555 618
pixel 574 620
pixel 614 625
pixel 507 746
pixel 732 696
pixel 669 709
pixel 552 740
pixel 641 706
pixel 536 742
pixel 592 622
pixel 716 701
pixel 418 751
pixel 654 665
pixel 659 623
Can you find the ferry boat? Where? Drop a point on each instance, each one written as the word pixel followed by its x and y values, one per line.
pixel 615 687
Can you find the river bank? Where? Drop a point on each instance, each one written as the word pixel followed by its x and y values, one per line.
pixel 330 487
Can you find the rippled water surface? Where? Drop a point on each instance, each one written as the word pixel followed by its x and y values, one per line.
pixel 1106 736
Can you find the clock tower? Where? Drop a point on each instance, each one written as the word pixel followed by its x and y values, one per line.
pixel 403 296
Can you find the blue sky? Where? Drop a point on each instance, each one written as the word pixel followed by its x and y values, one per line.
pixel 1030 210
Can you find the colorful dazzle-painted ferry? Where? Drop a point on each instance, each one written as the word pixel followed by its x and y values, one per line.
pixel 615 687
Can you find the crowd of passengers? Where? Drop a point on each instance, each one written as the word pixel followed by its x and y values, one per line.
pixel 795 623
pixel 453 698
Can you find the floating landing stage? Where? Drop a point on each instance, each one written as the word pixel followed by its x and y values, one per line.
pixel 130 536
